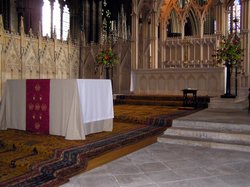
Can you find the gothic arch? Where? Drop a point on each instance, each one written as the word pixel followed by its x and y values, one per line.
pixel 191 23
pixel 174 23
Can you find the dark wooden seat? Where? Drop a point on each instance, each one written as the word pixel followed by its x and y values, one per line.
pixel 187 101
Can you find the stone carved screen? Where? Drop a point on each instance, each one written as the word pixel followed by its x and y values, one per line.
pixel 28 57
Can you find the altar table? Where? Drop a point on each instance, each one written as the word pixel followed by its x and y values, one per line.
pixel 77 107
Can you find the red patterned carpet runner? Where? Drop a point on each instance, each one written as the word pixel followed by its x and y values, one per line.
pixel 37 105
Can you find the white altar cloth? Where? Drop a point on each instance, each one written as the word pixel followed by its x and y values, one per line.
pixel 77 107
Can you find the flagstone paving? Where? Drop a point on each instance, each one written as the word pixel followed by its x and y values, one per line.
pixel 167 165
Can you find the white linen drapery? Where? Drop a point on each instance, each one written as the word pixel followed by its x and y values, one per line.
pixel 77 107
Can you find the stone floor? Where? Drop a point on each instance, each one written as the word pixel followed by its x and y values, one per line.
pixel 227 116
pixel 164 165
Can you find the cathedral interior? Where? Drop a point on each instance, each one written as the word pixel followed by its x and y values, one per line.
pixel 150 50
pixel 163 46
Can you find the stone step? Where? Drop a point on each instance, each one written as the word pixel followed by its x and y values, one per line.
pixel 228 103
pixel 211 125
pixel 148 102
pixel 154 97
pixel 209 134
pixel 159 100
pixel 211 143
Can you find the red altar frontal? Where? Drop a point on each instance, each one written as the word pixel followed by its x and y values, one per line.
pixel 37 106
pixel 71 108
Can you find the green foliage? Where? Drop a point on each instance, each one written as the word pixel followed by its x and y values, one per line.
pixel 230 51
pixel 107 58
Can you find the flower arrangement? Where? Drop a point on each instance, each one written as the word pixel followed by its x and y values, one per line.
pixel 106 58
pixel 230 52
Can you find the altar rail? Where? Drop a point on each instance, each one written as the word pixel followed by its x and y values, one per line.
pixel 208 81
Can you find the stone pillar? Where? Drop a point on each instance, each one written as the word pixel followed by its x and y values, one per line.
pixel 1 55
pixel 61 15
pixel 220 17
pixel 245 35
pixel 183 44
pixel 22 33
pixel 40 49
pixel 87 20
pixel 201 32
pixel 163 37
pixel 93 24
pixel 202 43
pixel 100 39
pixel 154 36
pixel 135 33
pixel 52 16
pixel 144 45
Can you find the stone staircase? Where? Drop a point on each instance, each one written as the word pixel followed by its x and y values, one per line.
pixel 222 135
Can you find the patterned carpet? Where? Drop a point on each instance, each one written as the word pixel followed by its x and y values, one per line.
pixel 28 159
pixel 25 142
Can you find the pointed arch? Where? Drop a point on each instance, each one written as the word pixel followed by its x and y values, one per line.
pixel 174 25
pixel 191 23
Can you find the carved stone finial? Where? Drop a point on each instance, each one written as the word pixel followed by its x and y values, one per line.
pixel 1 22
pixel 40 29
pixel 54 34
pixel 69 38
pixel 83 38
pixel 22 26
pixel 30 32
